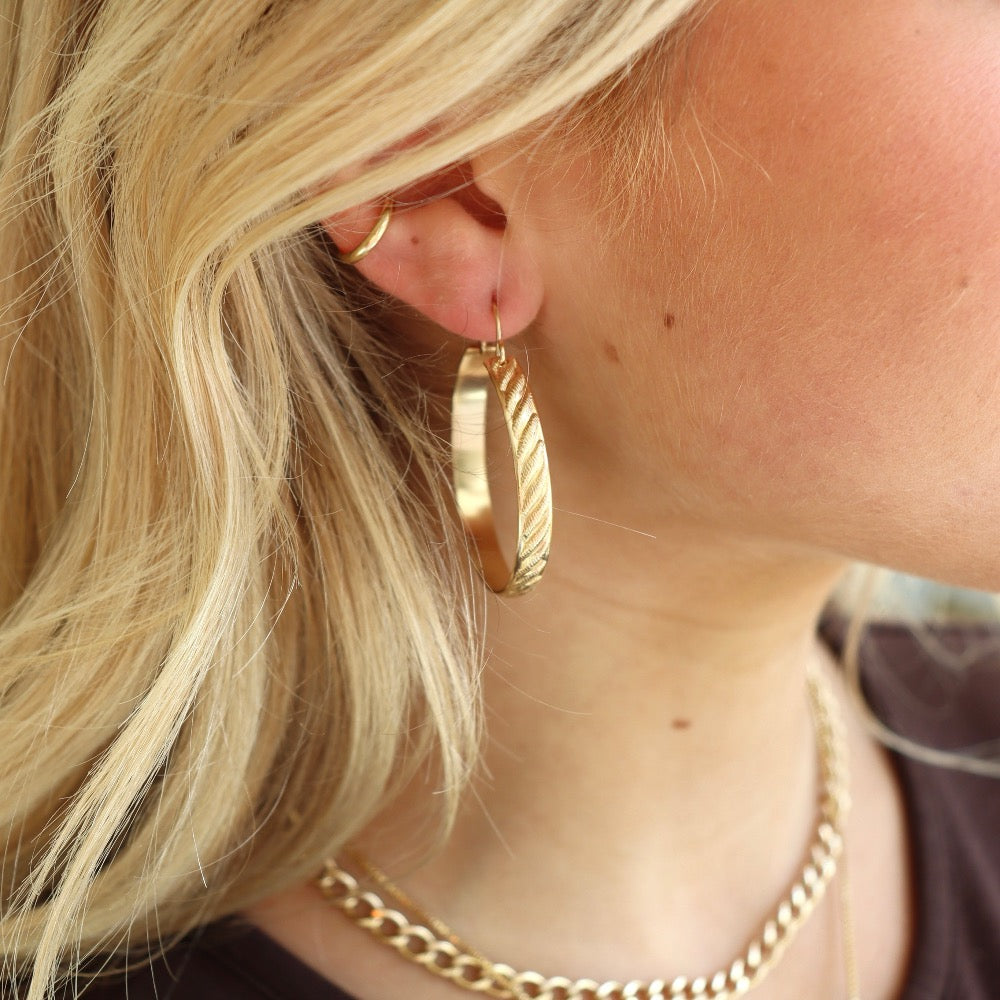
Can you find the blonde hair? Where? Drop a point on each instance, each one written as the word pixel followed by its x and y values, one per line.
pixel 235 618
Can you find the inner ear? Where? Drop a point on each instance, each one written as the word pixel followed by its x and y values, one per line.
pixel 449 251
pixel 456 182
pixel 477 202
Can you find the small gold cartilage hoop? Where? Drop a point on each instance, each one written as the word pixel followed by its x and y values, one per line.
pixel 489 364
pixel 371 241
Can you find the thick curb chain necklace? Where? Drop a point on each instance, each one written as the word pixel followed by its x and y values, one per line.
pixel 428 942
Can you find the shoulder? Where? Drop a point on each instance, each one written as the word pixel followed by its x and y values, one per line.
pixel 220 962
pixel 940 687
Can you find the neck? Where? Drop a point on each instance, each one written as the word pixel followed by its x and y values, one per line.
pixel 649 785
pixel 648 738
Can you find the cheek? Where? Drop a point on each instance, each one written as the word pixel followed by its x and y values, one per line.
pixel 900 156
pixel 834 254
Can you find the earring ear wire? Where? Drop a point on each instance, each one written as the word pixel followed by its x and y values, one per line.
pixel 481 366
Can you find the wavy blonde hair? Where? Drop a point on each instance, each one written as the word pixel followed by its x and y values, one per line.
pixel 234 617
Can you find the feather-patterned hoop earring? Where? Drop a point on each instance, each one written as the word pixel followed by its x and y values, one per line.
pixel 480 367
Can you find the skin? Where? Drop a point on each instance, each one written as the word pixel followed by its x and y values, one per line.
pixel 795 367
pixel 837 318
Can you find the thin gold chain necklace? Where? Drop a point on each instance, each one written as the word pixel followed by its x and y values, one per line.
pixel 429 942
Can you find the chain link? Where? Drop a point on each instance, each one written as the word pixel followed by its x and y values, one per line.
pixel 442 952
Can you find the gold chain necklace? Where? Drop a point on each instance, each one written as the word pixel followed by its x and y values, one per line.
pixel 431 944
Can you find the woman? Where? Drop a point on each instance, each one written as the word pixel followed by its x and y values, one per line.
pixel 745 252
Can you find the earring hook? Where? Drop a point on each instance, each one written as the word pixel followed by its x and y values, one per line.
pixel 498 347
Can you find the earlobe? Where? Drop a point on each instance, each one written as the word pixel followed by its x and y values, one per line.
pixel 447 259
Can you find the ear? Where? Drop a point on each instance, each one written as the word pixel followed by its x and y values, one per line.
pixel 450 251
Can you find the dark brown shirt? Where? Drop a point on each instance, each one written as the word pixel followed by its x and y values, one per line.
pixel 954 821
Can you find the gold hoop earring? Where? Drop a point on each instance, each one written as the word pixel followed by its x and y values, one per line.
pixel 481 365
pixel 365 247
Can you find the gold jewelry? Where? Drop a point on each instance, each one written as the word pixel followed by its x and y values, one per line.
pixel 489 363
pixel 365 247
pixel 850 948
pixel 438 949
